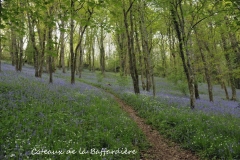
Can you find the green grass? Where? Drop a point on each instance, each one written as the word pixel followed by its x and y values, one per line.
pixel 37 116
pixel 66 119
pixel 210 136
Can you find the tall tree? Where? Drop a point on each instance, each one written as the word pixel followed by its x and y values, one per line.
pixel 129 28
pixel 201 44
pixel 72 54
pixel 101 48
pixel 50 25
pixel 182 36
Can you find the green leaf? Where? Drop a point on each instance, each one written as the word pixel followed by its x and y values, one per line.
pixel 2 26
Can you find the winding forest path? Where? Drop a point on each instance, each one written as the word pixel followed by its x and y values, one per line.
pixel 161 149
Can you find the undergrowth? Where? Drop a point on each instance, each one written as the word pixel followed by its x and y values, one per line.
pixel 211 136
pixel 38 117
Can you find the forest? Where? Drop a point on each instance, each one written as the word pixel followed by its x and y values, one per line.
pixel 79 77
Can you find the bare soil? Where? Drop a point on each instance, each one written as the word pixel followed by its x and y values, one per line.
pixel 161 148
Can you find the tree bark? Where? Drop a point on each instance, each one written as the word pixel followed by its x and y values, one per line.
pixel 145 46
pixel 206 66
pixel 20 63
pixel 31 24
pixel 138 48
pixel 72 54
pixel 183 48
pixel 102 51
pixel 230 67
pixel 236 49
pixel 121 48
pixel 130 38
pixel 93 54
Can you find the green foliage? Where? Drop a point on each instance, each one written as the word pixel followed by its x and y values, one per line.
pixel 58 121
pixel 113 63
pixel 100 77
pixel 211 136
pixel 122 81
pixel 29 52
pixel 182 87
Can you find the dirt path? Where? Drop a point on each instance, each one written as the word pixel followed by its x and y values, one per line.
pixel 160 148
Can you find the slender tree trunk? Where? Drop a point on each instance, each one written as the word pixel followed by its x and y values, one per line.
pixel 62 45
pixel 145 46
pixel 102 51
pixel 138 48
pixel 62 57
pixel 225 90
pixel 206 66
pixel 50 58
pixel 236 50
pixel 72 56
pixel 50 47
pixel 191 79
pixel 20 54
pixel 42 37
pixel 183 49
pixel 130 38
pixel 172 50
pixel 93 54
pixel 121 47
pixel 230 68
pixel 81 60
pixel 154 86
pixel 33 41
pixel 89 49
pixel 15 49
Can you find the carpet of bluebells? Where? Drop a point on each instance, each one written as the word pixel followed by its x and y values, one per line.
pixel 62 121
pixel 171 94
pixel 36 114
pixel 211 129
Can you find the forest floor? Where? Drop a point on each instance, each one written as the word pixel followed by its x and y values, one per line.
pixel 161 148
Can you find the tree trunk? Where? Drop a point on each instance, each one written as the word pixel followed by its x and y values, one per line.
pixel 31 23
pixel 140 59
pixel 50 58
pixel 80 61
pixel 130 38
pixel 42 39
pixel 236 49
pixel 230 68
pixel 15 49
pixel 102 51
pixel 50 47
pixel 154 86
pixel 72 56
pixel 20 63
pixel 93 54
pixel 145 46
pixel 206 66
pixel 225 90
pixel 121 48
pixel 183 49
